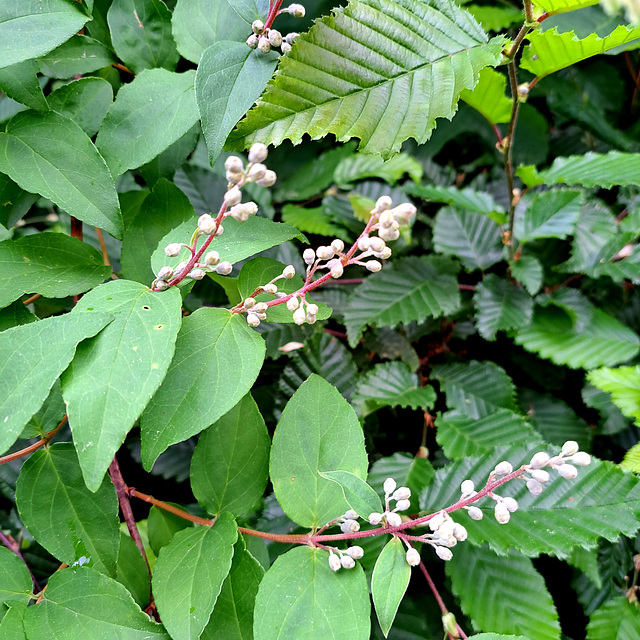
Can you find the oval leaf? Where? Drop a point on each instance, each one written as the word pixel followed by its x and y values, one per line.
pixel 360 496
pixel 15 581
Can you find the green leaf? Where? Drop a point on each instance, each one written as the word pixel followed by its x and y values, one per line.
pixel 477 201
pixel 618 619
pixel 392 384
pixel 42 153
pixel 489 95
pixel 360 166
pixel 497 636
pixel 113 377
pixel 131 570
pixel 199 387
pixel 232 617
pixel 197 24
pixel 160 211
pixel 52 264
pixel 229 79
pixel 78 55
pixel 528 271
pixel 32 361
pixel 590 170
pixel 11 625
pixel 230 465
pixel 301 598
pixel 560 6
pixel 318 430
pixel 548 51
pixel 496 608
pixel 313 220
pixel 605 502
pixel 277 337
pixel 14 202
pixel 141 34
pixel 495 18
pixel 411 289
pixel 31 28
pixel 69 610
pixel 624 386
pixel 172 158
pixel 472 237
pixel 500 306
pixel 189 573
pixel 48 416
pixel 552 214
pixel 73 524
pixel 162 526
pixel 148 115
pixel 603 341
pixel 20 82
pixel 631 460
pixel 389 582
pixel 391 97
pixel 15 581
pixel 358 494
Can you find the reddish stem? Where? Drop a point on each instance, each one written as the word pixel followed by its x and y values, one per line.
pixel 36 445
pixel 274 7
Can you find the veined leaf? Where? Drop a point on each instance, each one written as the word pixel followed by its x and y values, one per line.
pixel 375 70
pixel 360 166
pixel 131 570
pixel 412 289
pixel 359 495
pixel 495 18
pixel 20 83
pixel 468 199
pixel 483 582
pixel 618 619
pixel 12 624
pixel 624 386
pixel 602 501
pixel 78 55
pixel 489 96
pixel 631 460
pixel 560 6
pixel 528 271
pixel 313 220
pixel 552 214
pixel 15 581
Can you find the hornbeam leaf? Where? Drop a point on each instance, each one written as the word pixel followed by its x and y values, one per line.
pixel 549 51
pixel 602 501
pixel 495 18
pixel 412 289
pixel 377 70
pixel 624 386
pixel 552 214
pixel 479 579
pixel 478 201
pixel 360 166
pixel 618 619
pixel 489 95
pixel 560 6
pixel 529 272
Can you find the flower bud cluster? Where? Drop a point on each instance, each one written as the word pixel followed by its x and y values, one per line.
pixel 255 171
pixel 264 39
pixel 400 495
pixel 344 558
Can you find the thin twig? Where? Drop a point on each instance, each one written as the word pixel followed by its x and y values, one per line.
pixel 36 445
pixel 117 65
pixel 33 298
pixel 134 493
pixel 103 247
pixel 508 146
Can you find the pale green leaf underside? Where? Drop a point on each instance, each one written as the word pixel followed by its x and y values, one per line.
pixel 377 70
pixel 489 96
pixel 624 386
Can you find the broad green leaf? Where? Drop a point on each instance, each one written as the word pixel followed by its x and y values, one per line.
pixel 590 170
pixel 410 289
pixel 229 79
pixel 548 51
pixel 33 356
pixel 217 360
pixel 20 82
pixel 624 386
pixel 618 619
pixel 141 34
pixel 392 384
pixel 497 608
pixel 493 18
pixel 560 6
pixel 552 214
pixel 230 465
pixel 313 220
pixel 42 153
pixel 113 377
pixel 85 101
pixel 360 166
pixel 489 95
pixel 12 625
pixel 15 314
pixel 48 416
pixel 73 524
pixel 358 494
pixel 232 617
pixel 14 201
pixel 528 271
pixel 31 28
pixel 162 526
pixel 189 573
pixel 381 89
pixel 148 115
pixel 602 502
pixel 164 208
pixel 81 603
pixel 604 341
pixel 470 236
pixel 131 570
pixel 197 24
pixel 500 306
pixel 15 581
pixel 52 264
pixel 318 430
pixel 461 436
pixel 631 461
pixel 78 55
pixel 389 582
pixel 301 598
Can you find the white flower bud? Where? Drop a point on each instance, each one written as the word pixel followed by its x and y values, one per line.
pixel 413 557
pixel 206 224
pixel 220 231
pixel 443 553
pixel 386 219
pixel 180 267
pixel 581 459
pixel 309 256
pixel 373 265
pixel 334 562
pixel 401 493
pixel 293 304
pixel 249 303
pixel 385 254
pixel 459 532
pixel 355 552
pixel 166 273
pixel 534 487
pixel 296 10
pixel 299 316
pixel 567 471
pixel 570 447
pixel 312 309
pixel 404 212
pixel 324 253
pixel 289 271
pixel 224 268
pixel 269 179
pixel 275 38
pixel 264 46
pixel 270 288
pixel 475 513
pixel 375 518
pixel 161 285
pixel 363 243
pixel 403 505
pixel 258 152
pixel 389 486
pixel 383 203
pixel 349 526
pixel 251 208
pixel 172 249
pixel 336 270
pixel 239 213
pixel 540 475
pixel 257 172
pixel 446 529
pixel 252 41
pixel 351 515
pixel 389 235
pixel 310 319
pixel 233 196
pixel 253 320
pixel 234 178
pixel 539 460
pixel 503 468
pixel 234 163
pixel 502 513
pixel 285 47
pixel 347 562
pixel 467 487
pixel 393 519
pixel 197 274
pixel 261 307
pixel 437 520
pixel 511 504
pixel 377 244
pixel 290 37
pixel 338 246
pixel 257 26
pixel 212 258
